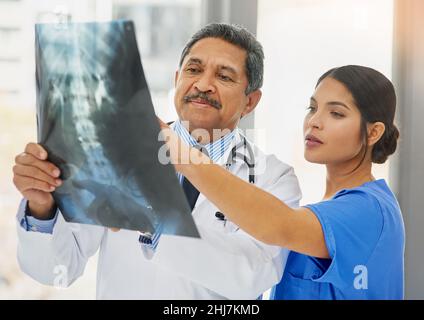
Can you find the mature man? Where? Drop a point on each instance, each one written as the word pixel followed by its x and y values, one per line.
pixel 218 82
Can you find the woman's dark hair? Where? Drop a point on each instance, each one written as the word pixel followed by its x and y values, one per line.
pixel 375 97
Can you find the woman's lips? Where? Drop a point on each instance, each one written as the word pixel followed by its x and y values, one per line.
pixel 312 141
pixel 311 144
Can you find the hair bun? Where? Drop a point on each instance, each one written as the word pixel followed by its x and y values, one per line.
pixel 386 146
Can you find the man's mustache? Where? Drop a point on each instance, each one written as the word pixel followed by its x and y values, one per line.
pixel 203 96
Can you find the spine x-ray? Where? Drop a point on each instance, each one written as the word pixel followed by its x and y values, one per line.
pixel 96 120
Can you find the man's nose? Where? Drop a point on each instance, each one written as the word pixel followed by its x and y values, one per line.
pixel 205 84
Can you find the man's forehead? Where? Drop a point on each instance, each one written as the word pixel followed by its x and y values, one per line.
pixel 219 58
pixel 222 66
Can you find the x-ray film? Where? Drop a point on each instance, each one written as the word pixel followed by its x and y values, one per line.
pixel 97 122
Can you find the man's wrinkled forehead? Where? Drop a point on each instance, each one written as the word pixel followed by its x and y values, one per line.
pixel 222 54
pixel 199 62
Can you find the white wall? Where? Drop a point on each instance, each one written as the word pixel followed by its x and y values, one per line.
pixel 302 39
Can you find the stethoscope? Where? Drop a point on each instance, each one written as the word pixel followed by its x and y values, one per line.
pixel 249 160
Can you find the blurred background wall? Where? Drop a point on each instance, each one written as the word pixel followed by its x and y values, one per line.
pixel 302 39
pixel 407 171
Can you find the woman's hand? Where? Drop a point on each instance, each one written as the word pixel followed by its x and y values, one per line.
pixel 181 155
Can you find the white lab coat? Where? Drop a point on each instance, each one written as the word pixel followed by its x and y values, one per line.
pixel 226 263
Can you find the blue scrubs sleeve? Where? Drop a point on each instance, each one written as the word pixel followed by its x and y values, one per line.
pixel 352 223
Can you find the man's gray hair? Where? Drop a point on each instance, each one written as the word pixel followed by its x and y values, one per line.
pixel 240 37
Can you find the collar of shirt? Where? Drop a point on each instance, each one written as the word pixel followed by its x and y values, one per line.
pixel 215 149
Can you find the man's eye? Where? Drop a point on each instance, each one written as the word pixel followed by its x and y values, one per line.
pixel 192 70
pixel 224 77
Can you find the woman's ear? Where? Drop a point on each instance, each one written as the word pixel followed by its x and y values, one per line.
pixel 375 132
pixel 252 101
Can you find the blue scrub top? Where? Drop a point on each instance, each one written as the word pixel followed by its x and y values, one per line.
pixel 365 237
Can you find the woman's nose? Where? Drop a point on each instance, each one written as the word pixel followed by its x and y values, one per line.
pixel 315 121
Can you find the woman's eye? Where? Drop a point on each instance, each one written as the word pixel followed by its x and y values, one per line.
pixel 337 115
pixel 311 109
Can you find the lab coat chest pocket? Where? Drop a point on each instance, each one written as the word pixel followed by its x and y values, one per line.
pixel 205 213
pixel 229 226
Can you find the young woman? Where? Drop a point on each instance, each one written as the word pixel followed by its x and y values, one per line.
pixel 351 244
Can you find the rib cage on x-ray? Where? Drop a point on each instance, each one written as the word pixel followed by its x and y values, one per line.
pixel 96 119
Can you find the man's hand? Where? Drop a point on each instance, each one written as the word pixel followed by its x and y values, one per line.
pixel 36 178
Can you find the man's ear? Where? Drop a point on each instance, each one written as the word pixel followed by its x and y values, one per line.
pixel 375 132
pixel 252 101
pixel 176 78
